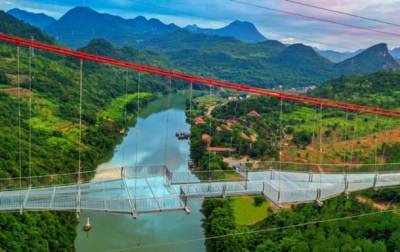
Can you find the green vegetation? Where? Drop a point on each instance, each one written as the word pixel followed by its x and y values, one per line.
pixel 387 195
pixel 340 131
pixel 376 89
pixel 208 100
pixel 113 110
pixel 252 126
pixel 229 59
pixel 375 232
pixel 55 128
pixel 12 26
pixel 249 210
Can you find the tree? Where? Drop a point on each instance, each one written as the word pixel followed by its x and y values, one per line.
pixel 302 138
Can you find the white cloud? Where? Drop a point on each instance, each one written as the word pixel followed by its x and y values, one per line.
pixel 217 13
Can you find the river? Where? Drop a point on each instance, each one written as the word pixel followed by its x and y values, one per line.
pixel 112 231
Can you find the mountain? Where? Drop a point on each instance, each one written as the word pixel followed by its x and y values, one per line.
pixel 335 56
pixel 303 60
pixel 395 53
pixel 380 89
pixel 372 59
pixel 38 20
pixel 13 26
pixel 55 98
pixel 266 64
pixel 243 31
pixel 80 25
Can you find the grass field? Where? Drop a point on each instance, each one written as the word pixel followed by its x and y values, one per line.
pixel 246 213
pixel 209 100
pixel 306 118
pixel 115 110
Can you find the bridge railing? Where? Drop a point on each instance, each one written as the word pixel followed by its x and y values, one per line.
pixel 110 173
pixel 190 177
pixel 325 168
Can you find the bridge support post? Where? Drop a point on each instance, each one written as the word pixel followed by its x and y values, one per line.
pixel 78 202
pixel 223 191
pixel 167 176
pixel 184 200
pixel 52 198
pixel 310 176
pixel 130 200
pixel 21 210
pixel 271 177
pixel 247 179
pixel 318 198
pixel 346 186
pixel 279 197
pixel 375 182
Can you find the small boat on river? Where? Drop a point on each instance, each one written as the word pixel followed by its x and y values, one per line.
pixel 182 135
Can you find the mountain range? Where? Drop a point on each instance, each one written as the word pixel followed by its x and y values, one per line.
pixel 336 57
pixel 396 53
pixel 39 20
pixel 12 26
pixel 266 63
pixel 80 25
pixel 241 30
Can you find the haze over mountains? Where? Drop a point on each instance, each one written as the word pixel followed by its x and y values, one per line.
pixel 243 31
pixel 39 20
pixel 237 52
pixel 80 25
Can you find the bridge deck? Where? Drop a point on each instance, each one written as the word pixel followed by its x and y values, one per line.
pixel 155 193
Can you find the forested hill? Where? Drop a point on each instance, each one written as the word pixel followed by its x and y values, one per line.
pixel 12 26
pixel 265 64
pixel 379 89
pixel 54 126
pixel 104 48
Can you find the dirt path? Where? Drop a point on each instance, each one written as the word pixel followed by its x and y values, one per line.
pixel 376 205
pixel 14 91
pixel 210 110
pixel 333 152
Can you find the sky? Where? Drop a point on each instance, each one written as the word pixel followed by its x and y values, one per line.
pixel 274 25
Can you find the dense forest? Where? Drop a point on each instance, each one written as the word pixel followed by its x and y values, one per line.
pixel 254 129
pixel 377 89
pixel 372 232
pixel 266 64
pixel 52 117
pixel 53 87
pixel 286 230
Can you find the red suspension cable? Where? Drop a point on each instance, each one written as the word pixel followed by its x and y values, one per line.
pixel 199 79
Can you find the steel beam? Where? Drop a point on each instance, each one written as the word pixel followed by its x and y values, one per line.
pixel 198 79
pixel 131 202
pixel 152 193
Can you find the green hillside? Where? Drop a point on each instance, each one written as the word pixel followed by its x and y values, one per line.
pixel 378 89
pixel 265 64
pixel 11 25
pixel 55 127
pixel 285 230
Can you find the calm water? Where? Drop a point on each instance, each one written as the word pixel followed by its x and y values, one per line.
pixel 113 232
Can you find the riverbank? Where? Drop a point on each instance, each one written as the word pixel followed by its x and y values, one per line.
pixel 148 147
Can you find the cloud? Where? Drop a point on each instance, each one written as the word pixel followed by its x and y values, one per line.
pixel 217 13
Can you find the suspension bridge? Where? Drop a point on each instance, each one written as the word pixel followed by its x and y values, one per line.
pixel 145 189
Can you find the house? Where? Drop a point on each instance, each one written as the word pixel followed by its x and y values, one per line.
pixel 253 113
pixel 206 138
pixel 199 120
pixel 230 123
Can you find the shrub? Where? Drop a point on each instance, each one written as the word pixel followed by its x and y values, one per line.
pixel 258 200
